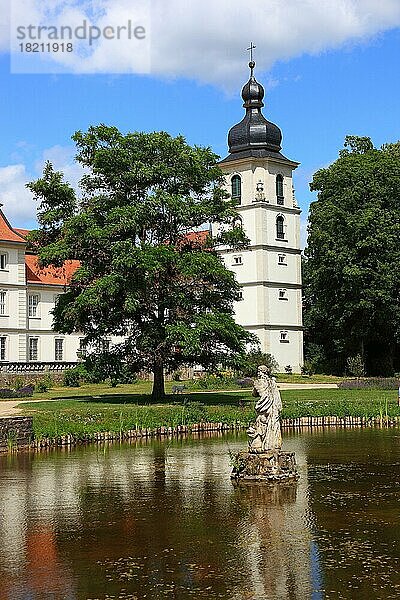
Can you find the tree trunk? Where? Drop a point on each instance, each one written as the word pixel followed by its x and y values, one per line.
pixel 158 392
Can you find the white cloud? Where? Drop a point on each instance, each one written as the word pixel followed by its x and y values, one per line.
pixel 205 39
pixel 62 159
pixel 16 199
pixel 18 203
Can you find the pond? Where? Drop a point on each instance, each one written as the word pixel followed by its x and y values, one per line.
pixel 163 520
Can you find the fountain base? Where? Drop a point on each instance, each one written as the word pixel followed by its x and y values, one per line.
pixel 270 466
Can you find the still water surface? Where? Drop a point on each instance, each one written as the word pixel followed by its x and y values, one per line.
pixel 163 520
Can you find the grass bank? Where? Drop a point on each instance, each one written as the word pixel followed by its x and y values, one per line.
pixel 118 409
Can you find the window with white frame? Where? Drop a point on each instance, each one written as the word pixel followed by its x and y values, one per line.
pixel 58 349
pixel 33 304
pixel 3 302
pixel 237 260
pixel 283 294
pixel 33 348
pixel 3 342
pixel 3 261
pixel 282 259
pixel 284 338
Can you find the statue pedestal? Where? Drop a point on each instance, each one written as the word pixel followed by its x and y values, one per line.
pixel 270 466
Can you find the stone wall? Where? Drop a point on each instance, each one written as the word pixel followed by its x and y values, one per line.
pixel 15 432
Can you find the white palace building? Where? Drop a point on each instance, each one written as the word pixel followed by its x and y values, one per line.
pixel 259 178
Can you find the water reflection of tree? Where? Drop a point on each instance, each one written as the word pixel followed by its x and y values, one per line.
pixel 165 517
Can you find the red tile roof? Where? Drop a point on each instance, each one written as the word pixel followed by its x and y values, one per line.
pixel 23 232
pixel 7 233
pixel 49 275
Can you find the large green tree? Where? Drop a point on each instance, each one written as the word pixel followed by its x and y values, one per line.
pixel 352 259
pixel 141 275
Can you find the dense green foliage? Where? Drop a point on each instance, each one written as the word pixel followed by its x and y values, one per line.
pixel 352 260
pixel 141 276
pixel 253 359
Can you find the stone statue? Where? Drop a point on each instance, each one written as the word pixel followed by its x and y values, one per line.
pixel 265 434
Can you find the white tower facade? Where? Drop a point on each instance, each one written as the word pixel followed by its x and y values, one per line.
pixel 259 178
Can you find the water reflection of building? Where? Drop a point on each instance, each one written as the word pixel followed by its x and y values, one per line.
pixel 166 512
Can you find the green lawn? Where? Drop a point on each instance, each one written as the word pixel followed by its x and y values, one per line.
pixel 96 408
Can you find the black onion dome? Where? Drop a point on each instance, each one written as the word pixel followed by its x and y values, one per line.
pixel 254 132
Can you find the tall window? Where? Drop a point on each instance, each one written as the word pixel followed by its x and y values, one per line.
pixel 3 298
pixel 280 233
pixel 33 302
pixel 283 295
pixel 3 301
pixel 33 348
pixel 58 349
pixel 2 347
pixel 236 183
pixel 3 261
pixel 279 189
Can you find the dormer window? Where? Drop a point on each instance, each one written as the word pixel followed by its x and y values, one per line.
pixel 279 189
pixel 236 184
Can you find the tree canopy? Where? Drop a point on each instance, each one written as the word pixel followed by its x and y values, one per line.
pixel 352 259
pixel 144 275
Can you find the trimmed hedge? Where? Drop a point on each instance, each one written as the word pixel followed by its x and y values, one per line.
pixel 370 383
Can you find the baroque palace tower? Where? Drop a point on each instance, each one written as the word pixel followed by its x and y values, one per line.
pixel 259 179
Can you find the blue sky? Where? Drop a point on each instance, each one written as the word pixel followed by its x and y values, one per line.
pixel 315 97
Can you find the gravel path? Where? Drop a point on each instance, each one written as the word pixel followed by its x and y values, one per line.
pixel 9 408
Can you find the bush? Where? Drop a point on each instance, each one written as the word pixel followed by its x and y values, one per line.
pixel 214 382
pixel 23 392
pixel 41 386
pixel 246 382
pixel 356 366
pixel 177 375
pixel 72 377
pixel 108 365
pixel 308 368
pixel 19 382
pixel 371 383
pixel 248 367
